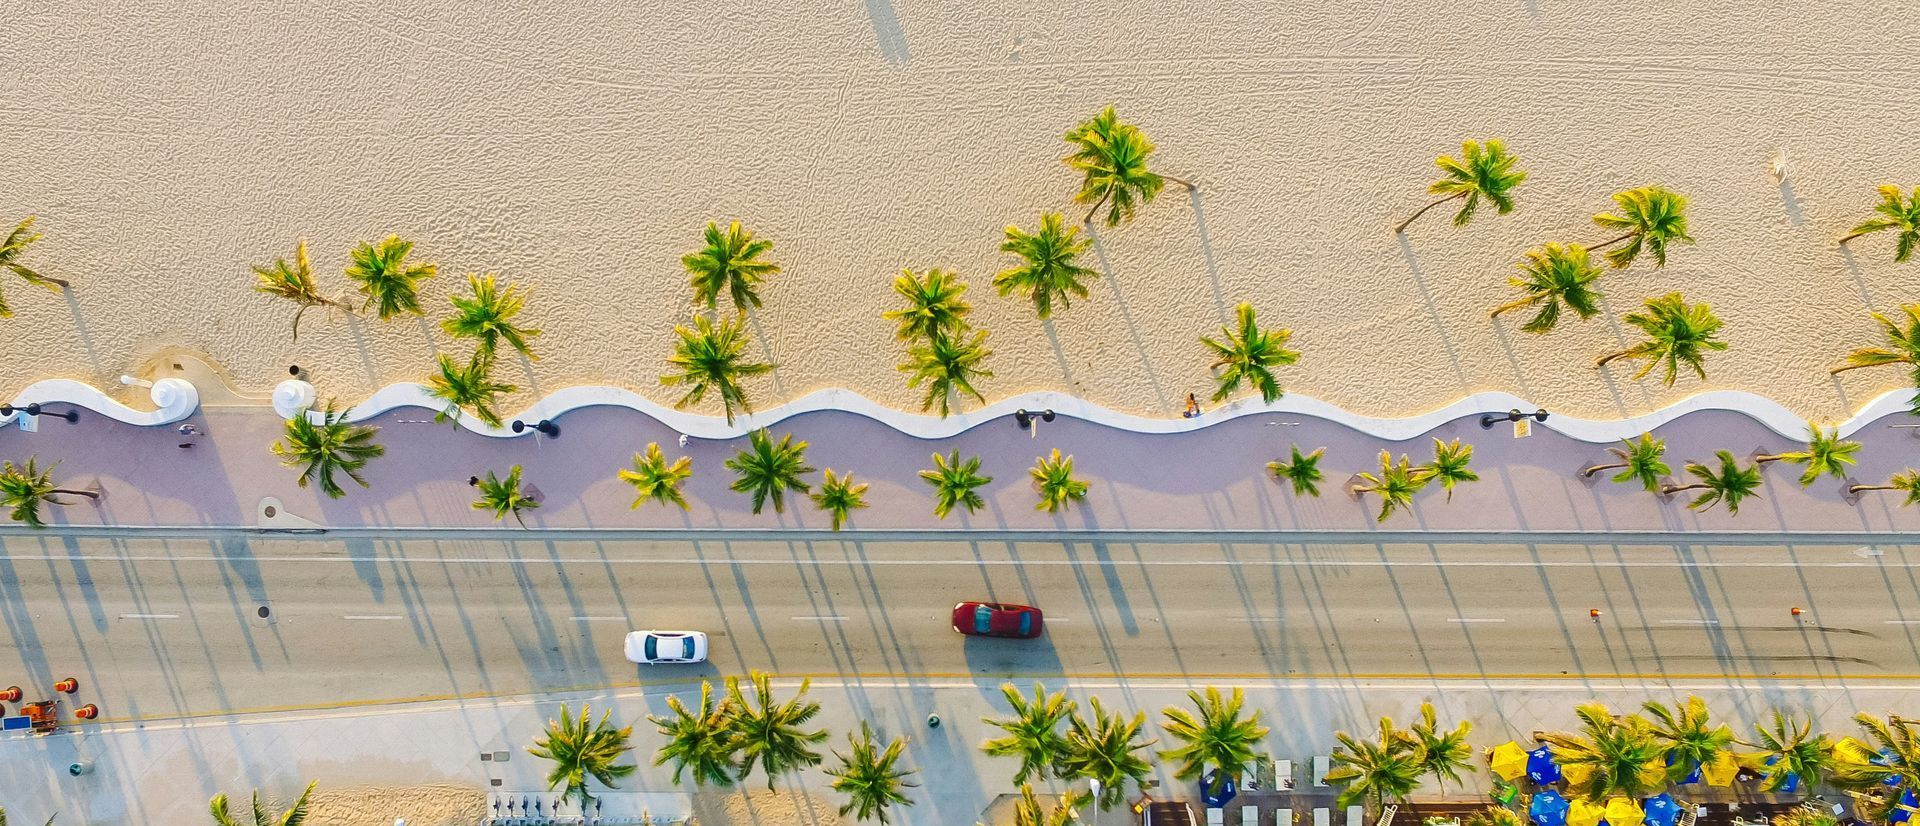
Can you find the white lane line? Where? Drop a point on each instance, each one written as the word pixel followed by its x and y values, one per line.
pixel 372 616
pixel 1476 619
pixel 1041 563
pixel 1903 622
pixel 1690 622
pixel 149 616
pixel 823 618
pixel 599 619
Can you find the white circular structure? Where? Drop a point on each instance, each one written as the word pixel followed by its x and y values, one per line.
pixel 293 397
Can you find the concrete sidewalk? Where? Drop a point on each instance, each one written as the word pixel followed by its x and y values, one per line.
pixel 163 773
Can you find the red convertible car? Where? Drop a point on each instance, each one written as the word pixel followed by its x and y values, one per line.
pixel 994 619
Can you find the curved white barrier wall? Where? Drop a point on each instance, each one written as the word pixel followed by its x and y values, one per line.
pixel 173 400
pixel 293 396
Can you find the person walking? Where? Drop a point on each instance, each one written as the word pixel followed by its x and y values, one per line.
pixel 187 432
pixel 1193 407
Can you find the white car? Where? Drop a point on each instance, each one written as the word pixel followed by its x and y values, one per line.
pixel 657 647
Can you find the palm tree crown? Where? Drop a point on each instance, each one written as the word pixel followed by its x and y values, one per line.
pixel 16 245
pixel 1903 344
pixel 712 357
pixel 868 777
pixel 332 446
pixel 24 487
pixel 388 281
pixel 1032 732
pixel 700 741
pixel 948 365
pixel 769 733
pixel 1441 754
pixel 1691 739
pixel 1826 455
pixel 1112 155
pixel 840 497
pixel 1642 460
pixel 487 316
pixel 1375 771
pixel 1218 737
pixel 1102 749
pixel 580 750
pixel 295 815
pixel 1302 471
pixel 729 261
pixel 954 480
pixel 1048 270
pixel 471 387
pixel 1449 467
pixel 1621 752
pixel 1649 219
pixel 767 470
pixel 503 497
pixel 1479 173
pixel 1249 355
pixel 934 305
pixel 1894 214
pixel 1678 334
pixel 1027 811
pixel 293 282
pixel 653 478
pixel 1396 484
pixel 1053 477
pixel 1729 483
pixel 1789 748
pixel 1555 276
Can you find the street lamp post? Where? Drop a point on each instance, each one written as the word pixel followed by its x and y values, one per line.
pixel 1488 420
pixel 543 427
pixel 34 410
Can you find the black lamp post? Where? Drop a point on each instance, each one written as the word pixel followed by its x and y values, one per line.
pixel 34 410
pixel 544 427
pixel 1025 419
pixel 1488 420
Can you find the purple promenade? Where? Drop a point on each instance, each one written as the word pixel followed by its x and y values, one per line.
pixel 1213 479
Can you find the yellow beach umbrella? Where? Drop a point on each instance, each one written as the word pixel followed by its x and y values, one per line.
pixel 1509 761
pixel 1720 772
pixel 1585 813
pixel 1577 775
pixel 1851 750
pixel 1622 811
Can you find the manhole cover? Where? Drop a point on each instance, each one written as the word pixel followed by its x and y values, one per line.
pixel 271 511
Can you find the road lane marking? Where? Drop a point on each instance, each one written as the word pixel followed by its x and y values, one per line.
pixel 1903 622
pixel 836 618
pixel 149 616
pixel 372 616
pixel 599 619
pixel 1476 619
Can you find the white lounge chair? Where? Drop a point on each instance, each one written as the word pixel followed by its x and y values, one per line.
pixel 1283 817
pixel 1322 763
pixel 1283 776
pixel 1216 816
pixel 1353 816
pixel 1249 815
pixel 1322 817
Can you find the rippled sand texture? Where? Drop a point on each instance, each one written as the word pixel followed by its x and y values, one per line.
pixel 579 147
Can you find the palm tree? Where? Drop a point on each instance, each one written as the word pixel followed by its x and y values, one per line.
pixel 24 487
pixel 470 387
pixel 1112 155
pixel 294 282
pixel 653 478
pixel 1731 483
pixel 934 306
pixel 840 497
pixel 321 450
pixel 1904 217
pixel 1053 477
pixel 954 481
pixel 1691 739
pixel 487 316
pixel 1032 732
pixel 1897 758
pixel 868 777
pixel 1677 334
pixel 1904 344
pixel 17 242
pixel 949 366
pixel 1440 754
pixel 1102 750
pixel 293 816
pixel 1487 173
pixel 503 496
pixel 712 357
pixel 1805 816
pixel 1048 270
pixel 1790 748
pixel 701 741
pixel 1906 481
pixel 1555 275
pixel 1621 752
pixel 1497 816
pixel 1826 455
pixel 387 280
pixel 1395 485
pixel 1449 466
pixel 1643 460
pixel 580 750
pixel 768 470
pixel 1249 355
pixel 769 733
pixel 1650 218
pixel 1302 471
pixel 730 262
pixel 1375 772
pixel 1027 811
pixel 1219 737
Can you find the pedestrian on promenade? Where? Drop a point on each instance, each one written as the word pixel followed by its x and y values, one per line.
pixel 187 432
pixel 1193 407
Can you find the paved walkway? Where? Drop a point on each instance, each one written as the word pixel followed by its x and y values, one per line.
pixel 164 773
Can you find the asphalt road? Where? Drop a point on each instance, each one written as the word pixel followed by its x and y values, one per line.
pixel 164 627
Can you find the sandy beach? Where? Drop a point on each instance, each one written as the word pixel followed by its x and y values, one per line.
pixel 578 149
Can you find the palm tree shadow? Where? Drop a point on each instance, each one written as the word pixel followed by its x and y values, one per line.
pixel 766 352
pixel 1206 251
pixel 526 369
pixel 1859 281
pixel 1513 359
pixel 1059 355
pixel 360 346
pixel 1426 298
pixel 1795 215
pixel 80 329
pixel 426 335
pixel 1126 313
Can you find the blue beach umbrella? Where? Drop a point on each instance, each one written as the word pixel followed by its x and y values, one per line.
pixel 1228 790
pixel 1692 776
pixel 1548 809
pixel 1662 810
pixel 1900 813
pixel 1541 768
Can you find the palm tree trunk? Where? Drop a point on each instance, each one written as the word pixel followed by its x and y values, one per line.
pixel 1589 472
pixel 1851 236
pixel 1763 458
pixel 1854 489
pixel 1096 207
pixel 1844 368
pixel 1604 360
pixel 1191 186
pixel 1511 305
pixel 1670 490
pixel 90 494
pixel 1608 243
pixel 1423 210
